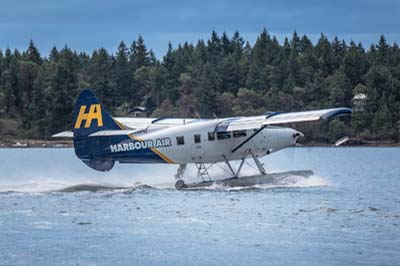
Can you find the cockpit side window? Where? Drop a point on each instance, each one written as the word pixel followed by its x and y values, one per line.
pixel 239 133
pixel 223 135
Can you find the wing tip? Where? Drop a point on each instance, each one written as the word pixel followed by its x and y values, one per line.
pixel 341 111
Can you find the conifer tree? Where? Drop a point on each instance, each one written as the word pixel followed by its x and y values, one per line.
pixel 121 74
pixel 139 54
pixel 64 88
pixel 32 54
pixel 8 97
pixel 100 78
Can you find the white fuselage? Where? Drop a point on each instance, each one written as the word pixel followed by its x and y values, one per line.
pixel 198 142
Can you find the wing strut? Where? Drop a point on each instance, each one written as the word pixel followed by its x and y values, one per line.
pixel 249 138
pixel 258 163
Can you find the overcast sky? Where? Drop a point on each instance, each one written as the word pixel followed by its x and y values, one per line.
pixel 86 25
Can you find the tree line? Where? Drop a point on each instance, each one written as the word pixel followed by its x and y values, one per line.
pixel 221 76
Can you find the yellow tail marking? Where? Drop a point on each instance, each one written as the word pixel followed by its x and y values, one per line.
pixel 94 113
pixel 134 137
pixel 165 158
pixel 121 126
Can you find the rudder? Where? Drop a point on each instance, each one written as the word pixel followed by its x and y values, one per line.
pixel 90 117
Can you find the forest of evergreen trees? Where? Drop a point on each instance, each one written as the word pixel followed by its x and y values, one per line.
pixel 222 76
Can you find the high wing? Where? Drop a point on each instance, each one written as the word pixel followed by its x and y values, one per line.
pixel 134 125
pixel 149 124
pixel 257 122
pixel 130 125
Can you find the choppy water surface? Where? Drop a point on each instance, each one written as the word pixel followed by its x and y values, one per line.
pixel 348 213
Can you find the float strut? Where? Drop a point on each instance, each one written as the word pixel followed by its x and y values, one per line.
pixel 229 166
pixel 258 163
pixel 181 171
pixel 240 166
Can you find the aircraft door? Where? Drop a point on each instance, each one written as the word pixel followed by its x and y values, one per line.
pixel 198 150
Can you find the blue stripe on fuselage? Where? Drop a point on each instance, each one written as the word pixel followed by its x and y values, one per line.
pixel 126 154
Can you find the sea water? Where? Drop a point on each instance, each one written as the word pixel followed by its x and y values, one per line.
pixel 347 213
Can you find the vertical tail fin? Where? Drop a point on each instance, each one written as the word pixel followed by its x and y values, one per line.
pixel 90 116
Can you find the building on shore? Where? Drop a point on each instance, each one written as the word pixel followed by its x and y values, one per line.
pixel 359 102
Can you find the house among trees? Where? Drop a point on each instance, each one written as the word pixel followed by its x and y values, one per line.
pixel 359 102
pixel 138 111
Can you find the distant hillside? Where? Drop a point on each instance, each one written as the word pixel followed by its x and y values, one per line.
pixel 223 75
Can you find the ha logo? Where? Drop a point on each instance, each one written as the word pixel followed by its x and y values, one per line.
pixel 93 114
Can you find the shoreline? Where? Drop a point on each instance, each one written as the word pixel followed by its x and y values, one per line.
pixel 35 143
pixel 32 143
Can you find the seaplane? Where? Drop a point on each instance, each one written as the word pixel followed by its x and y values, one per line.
pixel 101 140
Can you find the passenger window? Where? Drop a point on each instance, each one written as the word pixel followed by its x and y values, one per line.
pixel 211 136
pixel 197 138
pixel 239 133
pixel 180 140
pixel 223 135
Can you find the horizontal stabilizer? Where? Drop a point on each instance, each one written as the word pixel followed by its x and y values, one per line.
pixel 64 134
pixel 105 133
pixel 101 133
